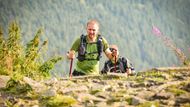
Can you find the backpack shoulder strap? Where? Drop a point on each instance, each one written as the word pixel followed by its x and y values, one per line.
pixel 127 63
pixel 124 61
pixel 99 37
pixel 83 39
pixel 82 48
pixel 99 46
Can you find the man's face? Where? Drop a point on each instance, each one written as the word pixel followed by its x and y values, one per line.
pixel 92 30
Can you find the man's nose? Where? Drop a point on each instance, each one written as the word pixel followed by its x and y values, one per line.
pixel 91 31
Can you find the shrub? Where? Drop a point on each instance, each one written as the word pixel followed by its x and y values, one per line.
pixel 16 59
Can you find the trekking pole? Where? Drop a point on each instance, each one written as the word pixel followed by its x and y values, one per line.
pixel 71 65
pixel 115 64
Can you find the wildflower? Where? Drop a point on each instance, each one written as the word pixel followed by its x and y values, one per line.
pixel 168 42
pixel 156 31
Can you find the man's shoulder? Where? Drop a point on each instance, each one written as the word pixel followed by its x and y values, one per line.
pixel 123 59
pixel 104 41
pixel 78 40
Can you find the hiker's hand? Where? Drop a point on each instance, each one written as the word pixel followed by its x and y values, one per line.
pixel 71 54
pixel 114 53
pixel 129 72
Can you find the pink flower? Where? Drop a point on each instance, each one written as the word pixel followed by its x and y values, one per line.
pixel 156 31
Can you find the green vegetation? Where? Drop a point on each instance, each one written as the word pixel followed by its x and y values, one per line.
pixel 93 92
pixel 17 87
pixel 149 104
pixel 18 61
pixel 59 101
pixel 176 90
pixel 129 100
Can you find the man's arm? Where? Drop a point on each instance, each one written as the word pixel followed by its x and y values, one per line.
pixel 128 64
pixel 106 49
pixel 108 53
pixel 74 48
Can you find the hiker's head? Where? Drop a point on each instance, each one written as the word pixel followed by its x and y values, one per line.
pixel 114 50
pixel 92 28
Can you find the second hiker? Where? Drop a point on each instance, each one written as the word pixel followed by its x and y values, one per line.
pixel 117 64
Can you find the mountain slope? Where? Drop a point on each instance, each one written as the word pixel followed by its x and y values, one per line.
pixel 126 23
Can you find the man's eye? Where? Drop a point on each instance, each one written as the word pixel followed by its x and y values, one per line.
pixel 92 30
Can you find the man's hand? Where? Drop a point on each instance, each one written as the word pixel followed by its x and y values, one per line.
pixel 71 54
pixel 111 53
pixel 129 72
pixel 114 53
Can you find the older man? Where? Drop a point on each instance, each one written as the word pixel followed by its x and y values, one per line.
pixel 117 64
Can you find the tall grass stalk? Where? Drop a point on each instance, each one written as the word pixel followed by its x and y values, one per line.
pixel 168 42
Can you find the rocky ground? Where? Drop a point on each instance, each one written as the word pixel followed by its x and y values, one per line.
pixel 160 87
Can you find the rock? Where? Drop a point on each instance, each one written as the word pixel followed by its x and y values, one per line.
pixel 96 86
pixel 3 80
pixel 171 103
pixel 88 97
pixel 187 87
pixel 119 104
pixel 137 100
pixel 146 94
pixel 52 81
pixel 50 92
pixel 166 76
pixel 102 104
pixel 149 83
pixel 163 95
pixel 1 101
pixel 36 86
pixel 74 89
pixel 184 98
pixel 137 85
pixel 172 69
pixel 104 95
pixel 179 76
